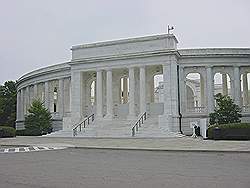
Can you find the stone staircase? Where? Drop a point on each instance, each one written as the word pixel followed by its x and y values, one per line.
pixel 118 128
pixel 107 128
pixel 151 129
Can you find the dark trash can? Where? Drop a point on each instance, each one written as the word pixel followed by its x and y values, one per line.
pixel 197 130
pixel 217 133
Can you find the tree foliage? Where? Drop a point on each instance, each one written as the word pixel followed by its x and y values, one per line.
pixel 8 96
pixel 226 111
pixel 39 119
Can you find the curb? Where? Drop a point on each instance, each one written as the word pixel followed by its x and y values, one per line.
pixel 160 150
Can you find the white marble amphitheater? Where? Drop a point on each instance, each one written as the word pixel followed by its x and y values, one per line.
pixel 136 87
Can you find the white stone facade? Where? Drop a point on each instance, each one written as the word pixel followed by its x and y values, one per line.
pixel 115 80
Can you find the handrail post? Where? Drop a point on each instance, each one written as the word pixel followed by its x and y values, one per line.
pixel 133 131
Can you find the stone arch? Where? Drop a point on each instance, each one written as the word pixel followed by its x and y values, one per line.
pixel 55 101
pixel 222 83
pixel 124 89
pixel 195 91
pixel 91 90
pixel 157 86
pixel 245 90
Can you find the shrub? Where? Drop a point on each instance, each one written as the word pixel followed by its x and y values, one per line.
pixel 232 127
pixel 225 112
pixel 7 132
pixel 39 120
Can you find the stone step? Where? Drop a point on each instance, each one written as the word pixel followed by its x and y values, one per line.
pixel 118 129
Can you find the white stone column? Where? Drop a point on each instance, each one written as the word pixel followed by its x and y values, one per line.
pixel 26 100
pixel 61 97
pixel 18 105
pixel 76 96
pixel 165 120
pixel 35 93
pixel 182 90
pixel 210 89
pixel 21 104
pixel 46 95
pixel 142 90
pixel 167 88
pixel 99 101
pixel 131 98
pixel 125 90
pixel 224 84
pixel 202 92
pixel 174 95
pixel 245 89
pixel 109 79
pixel 170 119
pixel 28 97
pixel 237 90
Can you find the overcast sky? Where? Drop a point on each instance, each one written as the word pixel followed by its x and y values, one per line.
pixel 37 33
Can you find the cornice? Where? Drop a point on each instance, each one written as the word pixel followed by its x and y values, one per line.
pixel 125 56
pixel 123 41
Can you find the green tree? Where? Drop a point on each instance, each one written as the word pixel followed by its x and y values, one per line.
pixel 226 111
pixel 8 96
pixel 39 119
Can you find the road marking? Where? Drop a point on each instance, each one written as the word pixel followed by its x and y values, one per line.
pixel 6 150
pixel 36 148
pixel 29 149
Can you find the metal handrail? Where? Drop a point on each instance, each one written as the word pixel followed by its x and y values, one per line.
pixel 138 123
pixel 79 125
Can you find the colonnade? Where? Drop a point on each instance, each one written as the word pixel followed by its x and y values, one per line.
pixel 43 91
pixel 207 73
pixel 78 92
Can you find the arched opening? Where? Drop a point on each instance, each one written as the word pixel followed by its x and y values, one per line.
pixel 93 93
pixel 124 90
pixel 195 93
pixel 191 103
pixel 222 84
pixel 157 88
pixel 245 95
pixel 55 97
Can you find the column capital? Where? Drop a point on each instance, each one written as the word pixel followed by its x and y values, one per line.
pixel 236 66
pixel 99 70
pixel 209 66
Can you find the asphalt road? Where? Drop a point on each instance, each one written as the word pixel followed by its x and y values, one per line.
pixel 124 168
